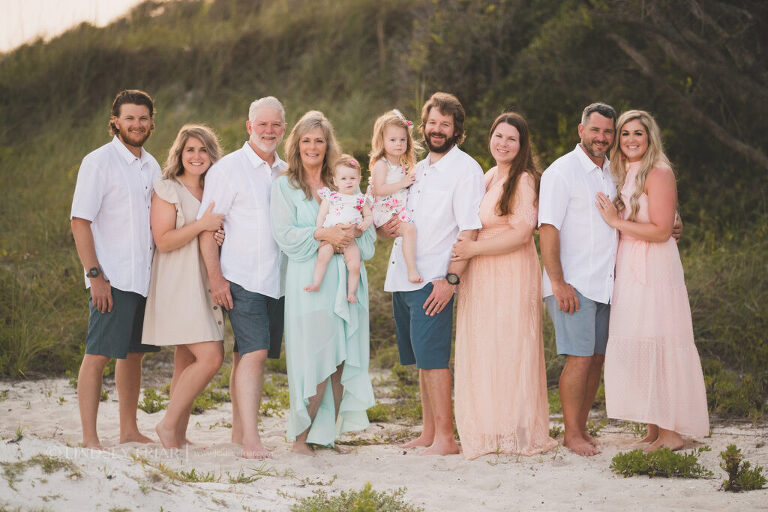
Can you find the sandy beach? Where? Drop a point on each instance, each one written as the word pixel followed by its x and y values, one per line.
pixel 146 477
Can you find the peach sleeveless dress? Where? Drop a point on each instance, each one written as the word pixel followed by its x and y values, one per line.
pixel 652 368
pixel 500 381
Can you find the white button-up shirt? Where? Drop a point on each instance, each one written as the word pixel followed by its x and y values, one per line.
pixel 444 201
pixel 587 244
pixel 114 192
pixel 239 185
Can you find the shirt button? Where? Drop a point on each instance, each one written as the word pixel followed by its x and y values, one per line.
pixel 215 307
pixel 219 322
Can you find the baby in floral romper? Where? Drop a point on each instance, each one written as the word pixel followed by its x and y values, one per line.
pixel 345 206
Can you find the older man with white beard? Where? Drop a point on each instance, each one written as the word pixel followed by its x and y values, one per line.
pixel 247 279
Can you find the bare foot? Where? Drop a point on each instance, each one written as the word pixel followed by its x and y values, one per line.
pixel 442 448
pixel 311 288
pixel 302 449
pixel 135 437
pixel 414 277
pixel 342 450
pixel 93 444
pixel 254 449
pixel 667 439
pixel 652 435
pixel 167 436
pixel 422 440
pixel 352 298
pixel 580 446
pixel 588 438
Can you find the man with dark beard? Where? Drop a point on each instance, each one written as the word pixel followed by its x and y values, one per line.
pixel 110 225
pixel 443 203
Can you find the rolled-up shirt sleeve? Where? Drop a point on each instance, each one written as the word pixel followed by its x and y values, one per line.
pixel 553 199
pixel 217 190
pixel 466 200
pixel 89 191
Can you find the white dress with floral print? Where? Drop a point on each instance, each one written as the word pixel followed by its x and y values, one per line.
pixel 394 204
pixel 345 208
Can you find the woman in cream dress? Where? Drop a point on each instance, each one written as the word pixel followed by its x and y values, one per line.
pixel 180 310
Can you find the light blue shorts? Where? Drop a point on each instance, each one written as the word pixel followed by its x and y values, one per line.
pixel 585 332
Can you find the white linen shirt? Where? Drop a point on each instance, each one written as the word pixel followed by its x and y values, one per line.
pixel 567 199
pixel 239 185
pixel 114 192
pixel 444 201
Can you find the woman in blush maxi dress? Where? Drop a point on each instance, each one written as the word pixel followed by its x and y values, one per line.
pixel 652 368
pixel 500 380
pixel 323 330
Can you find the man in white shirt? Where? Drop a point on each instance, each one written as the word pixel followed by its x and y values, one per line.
pixel 578 250
pixel 443 203
pixel 110 225
pixel 247 279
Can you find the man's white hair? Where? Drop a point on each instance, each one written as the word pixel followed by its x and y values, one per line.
pixel 265 102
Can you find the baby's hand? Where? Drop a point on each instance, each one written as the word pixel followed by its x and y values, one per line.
pixel 408 180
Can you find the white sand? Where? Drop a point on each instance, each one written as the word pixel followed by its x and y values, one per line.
pixel 117 478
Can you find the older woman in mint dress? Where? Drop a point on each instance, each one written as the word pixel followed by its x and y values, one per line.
pixel 326 336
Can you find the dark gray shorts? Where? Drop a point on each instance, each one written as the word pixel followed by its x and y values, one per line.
pixel 422 340
pixel 257 321
pixel 117 333
pixel 585 332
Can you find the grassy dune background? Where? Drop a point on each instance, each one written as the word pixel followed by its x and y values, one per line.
pixel 700 67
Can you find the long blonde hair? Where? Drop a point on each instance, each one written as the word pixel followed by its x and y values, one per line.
pixel 393 118
pixel 295 172
pixel 173 166
pixel 653 157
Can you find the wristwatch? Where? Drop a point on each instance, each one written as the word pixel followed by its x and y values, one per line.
pixel 93 272
pixel 452 278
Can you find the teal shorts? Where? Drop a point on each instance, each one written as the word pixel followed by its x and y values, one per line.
pixel 117 333
pixel 422 340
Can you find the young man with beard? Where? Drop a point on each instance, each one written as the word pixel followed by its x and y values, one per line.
pixel 110 225
pixel 247 279
pixel 443 203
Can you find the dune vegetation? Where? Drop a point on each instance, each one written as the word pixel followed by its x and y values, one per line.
pixel 699 66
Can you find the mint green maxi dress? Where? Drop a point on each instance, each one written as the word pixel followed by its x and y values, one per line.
pixel 322 329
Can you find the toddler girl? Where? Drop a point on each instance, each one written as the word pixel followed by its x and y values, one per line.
pixel 345 206
pixel 393 160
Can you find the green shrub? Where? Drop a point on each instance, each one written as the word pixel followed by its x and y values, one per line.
pixel 364 500
pixel 152 401
pixel 729 394
pixel 663 462
pixel 740 476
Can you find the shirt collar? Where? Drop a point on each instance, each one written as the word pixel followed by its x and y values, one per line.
pixel 126 154
pixel 256 160
pixel 446 159
pixel 587 164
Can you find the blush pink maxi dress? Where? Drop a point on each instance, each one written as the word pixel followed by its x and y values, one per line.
pixel 500 380
pixel 652 368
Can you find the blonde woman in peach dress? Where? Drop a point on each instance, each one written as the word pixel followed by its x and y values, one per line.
pixel 652 368
pixel 500 382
